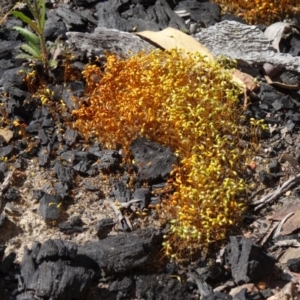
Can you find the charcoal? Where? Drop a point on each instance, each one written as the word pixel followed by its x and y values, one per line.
pixel 28 266
pixel 68 156
pixel 290 78
pixel 64 174
pixel 75 221
pixel 230 17
pixel 248 262
pixel 85 156
pixel 49 209
pixel 274 166
pixel 206 13
pixel 7 49
pixel 108 159
pixel 114 14
pixel 119 190
pixel 43 137
pixel 295 45
pixel 257 112
pixel 2 218
pixel 12 194
pixel 70 17
pixel 7 263
pixel 83 167
pixel 87 16
pixel 84 3
pixel 217 296
pixel 266 293
pixel 73 225
pixel 7 151
pixel 154 201
pixel 12 79
pixel 293 264
pixel 213 272
pixel 60 280
pixel 44 153
pixel 2 250
pixel 67 97
pixel 144 195
pixel 33 127
pixel 295 117
pixel 287 103
pixel 277 104
pixel 154 161
pixel 37 194
pixel 61 189
pixel 162 286
pixel 290 125
pixel 70 136
pixel 122 285
pixel 266 178
pixel 241 295
pixel 2 171
pixel 45 112
pixel 46 123
pixel 55 28
pixel 5 65
pixel 90 187
pixel 20 145
pixel 104 227
pixel 54 249
pixel 124 252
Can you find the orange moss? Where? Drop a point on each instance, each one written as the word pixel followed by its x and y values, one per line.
pixel 190 105
pixel 261 11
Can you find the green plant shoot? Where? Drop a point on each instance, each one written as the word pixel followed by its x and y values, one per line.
pixel 36 48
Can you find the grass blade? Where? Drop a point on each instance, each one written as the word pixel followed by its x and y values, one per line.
pixel 27 20
pixel 35 54
pixel 42 14
pixel 28 35
pixel 25 56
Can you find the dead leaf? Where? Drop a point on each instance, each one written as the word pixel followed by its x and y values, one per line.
pixel 171 38
pixel 246 79
pixel 7 134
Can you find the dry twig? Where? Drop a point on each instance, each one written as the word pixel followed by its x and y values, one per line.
pixel 122 218
pixel 281 189
pixel 5 185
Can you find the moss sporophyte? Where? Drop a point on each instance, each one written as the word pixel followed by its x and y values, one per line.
pixel 189 104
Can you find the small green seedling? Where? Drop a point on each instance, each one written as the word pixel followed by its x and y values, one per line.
pixel 36 48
